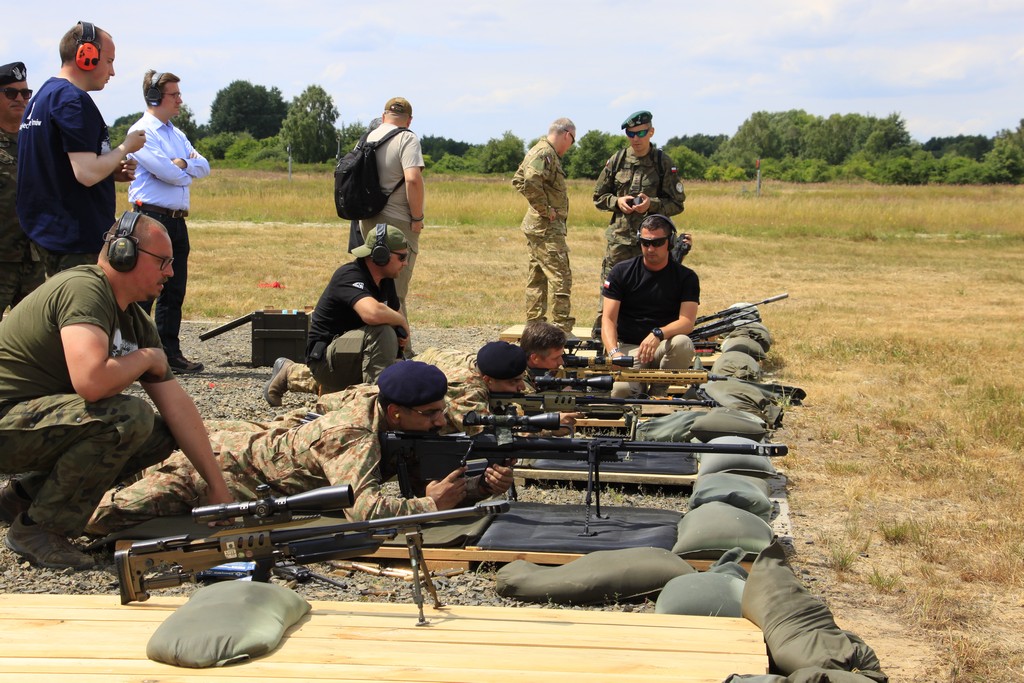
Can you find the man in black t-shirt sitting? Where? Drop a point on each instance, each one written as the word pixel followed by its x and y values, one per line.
pixel 357 329
pixel 650 305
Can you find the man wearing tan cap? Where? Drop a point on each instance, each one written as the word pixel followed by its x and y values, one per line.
pixel 400 169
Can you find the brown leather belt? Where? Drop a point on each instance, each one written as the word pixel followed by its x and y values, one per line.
pixel 170 213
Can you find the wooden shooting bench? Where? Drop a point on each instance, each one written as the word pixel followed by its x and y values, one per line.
pixel 93 639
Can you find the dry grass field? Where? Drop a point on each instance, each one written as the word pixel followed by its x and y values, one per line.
pixel 904 325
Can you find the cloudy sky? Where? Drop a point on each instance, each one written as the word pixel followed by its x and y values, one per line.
pixel 473 70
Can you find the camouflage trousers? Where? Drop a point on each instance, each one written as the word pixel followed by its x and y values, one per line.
pixel 17 280
pixel 356 357
pixel 53 262
pixel 70 451
pixel 675 353
pixel 549 269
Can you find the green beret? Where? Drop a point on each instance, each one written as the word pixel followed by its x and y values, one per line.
pixel 412 383
pixel 637 118
pixel 501 360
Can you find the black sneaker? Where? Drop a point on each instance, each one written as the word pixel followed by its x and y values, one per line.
pixel 183 366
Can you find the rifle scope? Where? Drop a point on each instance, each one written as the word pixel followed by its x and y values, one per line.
pixel 571 361
pixel 599 383
pixel 541 421
pixel 318 500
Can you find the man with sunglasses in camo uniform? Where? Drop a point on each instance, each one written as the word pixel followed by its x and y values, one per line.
pixel 637 181
pixel 20 271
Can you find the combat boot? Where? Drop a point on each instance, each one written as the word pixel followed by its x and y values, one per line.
pixel 12 503
pixel 275 387
pixel 45 548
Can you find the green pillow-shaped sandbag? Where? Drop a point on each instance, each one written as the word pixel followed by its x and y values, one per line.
pixel 746 345
pixel 727 422
pixel 798 628
pixel 672 427
pixel 737 364
pixel 745 396
pixel 603 576
pixel 756 331
pixel 714 528
pixel 225 623
pixel 717 592
pixel 743 492
pixel 818 675
pixel 737 463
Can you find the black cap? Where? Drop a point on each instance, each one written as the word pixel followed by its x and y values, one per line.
pixel 412 383
pixel 501 360
pixel 14 72
pixel 637 118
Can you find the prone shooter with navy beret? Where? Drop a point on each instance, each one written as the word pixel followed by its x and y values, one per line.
pixel 635 182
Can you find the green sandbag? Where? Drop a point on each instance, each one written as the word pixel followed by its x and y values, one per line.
pixel 798 628
pixel 727 422
pixel 600 577
pixel 756 331
pixel 743 492
pixel 716 592
pixel 746 345
pixel 225 623
pixel 745 396
pixel 737 364
pixel 674 427
pixel 714 528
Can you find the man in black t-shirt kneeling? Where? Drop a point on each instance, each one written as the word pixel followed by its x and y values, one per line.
pixel 357 329
pixel 650 305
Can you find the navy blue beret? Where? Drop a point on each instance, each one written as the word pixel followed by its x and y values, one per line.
pixel 501 360
pixel 412 383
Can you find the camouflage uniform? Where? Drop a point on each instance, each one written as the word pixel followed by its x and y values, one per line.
pixel 20 270
pixel 290 456
pixel 541 179
pixel 69 449
pixel 466 388
pixel 626 175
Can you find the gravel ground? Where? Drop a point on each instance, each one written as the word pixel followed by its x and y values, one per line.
pixel 230 388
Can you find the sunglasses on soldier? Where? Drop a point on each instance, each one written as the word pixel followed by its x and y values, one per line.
pixel 12 93
pixel 638 133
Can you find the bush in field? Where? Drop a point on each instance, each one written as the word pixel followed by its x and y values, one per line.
pixel 309 127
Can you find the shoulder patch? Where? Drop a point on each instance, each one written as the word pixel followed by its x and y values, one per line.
pixel 674 170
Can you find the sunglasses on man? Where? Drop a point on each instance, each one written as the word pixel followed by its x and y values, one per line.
pixel 638 133
pixel 653 243
pixel 12 93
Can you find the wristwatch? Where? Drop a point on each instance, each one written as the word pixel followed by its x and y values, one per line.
pixel 658 333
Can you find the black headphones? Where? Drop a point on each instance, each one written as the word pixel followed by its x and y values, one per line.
pixel 380 253
pixel 122 250
pixel 87 56
pixel 671 225
pixel 153 95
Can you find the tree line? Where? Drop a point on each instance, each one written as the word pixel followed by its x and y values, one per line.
pixel 252 125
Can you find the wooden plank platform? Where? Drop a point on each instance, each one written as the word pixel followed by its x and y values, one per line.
pixel 514 332
pixel 93 639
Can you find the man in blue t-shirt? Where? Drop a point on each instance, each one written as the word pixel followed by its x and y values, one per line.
pixel 66 167
pixel 650 305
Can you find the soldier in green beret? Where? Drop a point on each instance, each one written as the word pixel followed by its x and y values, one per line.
pixel 20 271
pixel 541 179
pixel 636 181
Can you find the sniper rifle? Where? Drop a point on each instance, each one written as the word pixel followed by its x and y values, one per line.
pixel 269 536
pixel 435 456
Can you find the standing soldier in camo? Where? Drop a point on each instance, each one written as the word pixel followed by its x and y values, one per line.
pixel 20 271
pixel 541 179
pixel 636 181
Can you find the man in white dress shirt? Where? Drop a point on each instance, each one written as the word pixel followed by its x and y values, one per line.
pixel 167 166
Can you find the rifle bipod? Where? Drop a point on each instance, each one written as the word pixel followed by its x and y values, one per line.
pixel 420 574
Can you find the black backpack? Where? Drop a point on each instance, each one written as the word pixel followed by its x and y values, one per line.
pixel 357 192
